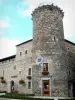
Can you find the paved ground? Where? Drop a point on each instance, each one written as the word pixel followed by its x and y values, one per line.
pixel 55 98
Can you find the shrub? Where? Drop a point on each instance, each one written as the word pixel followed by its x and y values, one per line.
pixel 18 96
pixel 3 91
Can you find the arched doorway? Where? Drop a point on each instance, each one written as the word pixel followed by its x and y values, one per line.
pixel 12 86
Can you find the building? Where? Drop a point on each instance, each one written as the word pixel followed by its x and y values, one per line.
pixel 46 62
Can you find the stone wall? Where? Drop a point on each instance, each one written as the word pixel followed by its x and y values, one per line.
pixel 18 69
pixel 23 48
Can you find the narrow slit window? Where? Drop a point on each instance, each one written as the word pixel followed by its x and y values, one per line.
pixel 69 73
pixel 29 85
pixel 68 48
pixel 54 38
pixel 20 72
pixel 29 71
pixel 20 53
pixel 25 51
pixel 3 72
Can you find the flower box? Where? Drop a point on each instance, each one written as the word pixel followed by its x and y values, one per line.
pixel 3 81
pixel 45 72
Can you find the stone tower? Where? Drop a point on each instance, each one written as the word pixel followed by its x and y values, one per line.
pixel 48 42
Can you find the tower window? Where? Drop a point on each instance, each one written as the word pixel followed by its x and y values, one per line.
pixel 45 67
pixel 29 71
pixel 29 85
pixel 69 73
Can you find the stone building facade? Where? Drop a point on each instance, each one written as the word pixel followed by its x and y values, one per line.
pixel 46 62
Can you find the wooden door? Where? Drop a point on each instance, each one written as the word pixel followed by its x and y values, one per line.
pixel 45 88
pixel 12 86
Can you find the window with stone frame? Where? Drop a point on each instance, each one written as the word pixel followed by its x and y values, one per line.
pixel 29 71
pixel 26 51
pixel 45 67
pixel 29 85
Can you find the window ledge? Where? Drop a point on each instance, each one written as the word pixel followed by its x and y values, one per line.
pixel 45 72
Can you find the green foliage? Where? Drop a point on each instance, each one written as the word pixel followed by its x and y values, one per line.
pixel 18 96
pixel 67 99
pixel 3 91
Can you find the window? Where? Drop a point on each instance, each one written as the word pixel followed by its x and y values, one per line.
pixel 68 48
pixel 45 67
pixel 70 89
pixel 69 73
pixel 29 71
pixel 3 72
pixel 20 72
pixel 14 67
pixel 29 85
pixel 20 53
pixel 54 38
pixel 25 51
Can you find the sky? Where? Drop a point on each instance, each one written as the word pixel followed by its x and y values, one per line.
pixel 16 23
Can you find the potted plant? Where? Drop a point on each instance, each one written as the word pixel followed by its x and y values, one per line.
pixel 3 81
pixel 21 82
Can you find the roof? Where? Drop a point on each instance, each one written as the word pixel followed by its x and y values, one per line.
pixel 32 39
pixel 70 42
pixel 24 42
pixel 7 58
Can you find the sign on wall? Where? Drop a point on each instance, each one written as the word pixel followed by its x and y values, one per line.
pixel 39 61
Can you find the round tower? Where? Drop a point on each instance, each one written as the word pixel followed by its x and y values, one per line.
pixel 49 78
